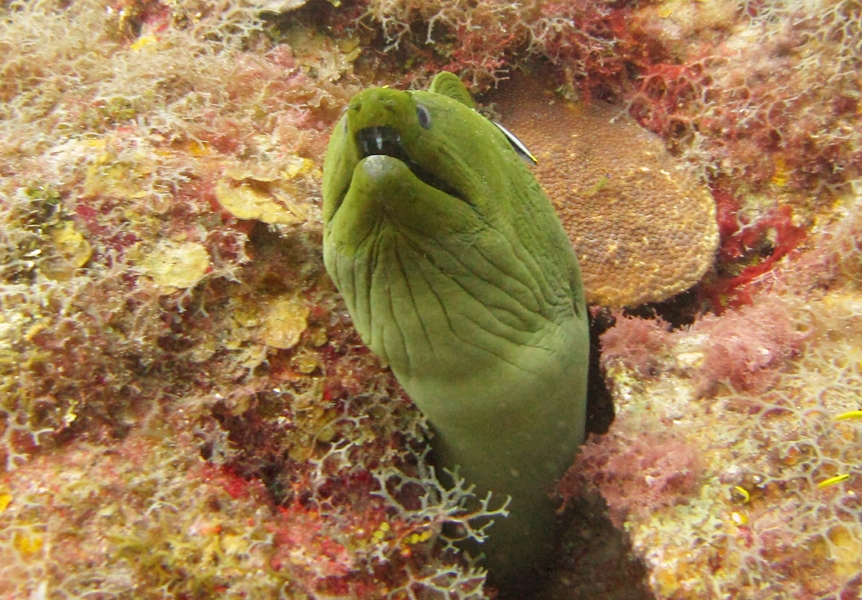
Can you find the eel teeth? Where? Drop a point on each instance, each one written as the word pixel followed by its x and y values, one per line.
pixel 380 140
pixel 386 140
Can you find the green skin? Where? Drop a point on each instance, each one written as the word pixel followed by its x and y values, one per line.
pixel 473 299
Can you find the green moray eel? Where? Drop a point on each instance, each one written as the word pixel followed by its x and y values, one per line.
pixel 460 277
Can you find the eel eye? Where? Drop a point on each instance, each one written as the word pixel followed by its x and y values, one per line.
pixel 423 116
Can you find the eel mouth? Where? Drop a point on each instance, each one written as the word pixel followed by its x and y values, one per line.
pixel 386 140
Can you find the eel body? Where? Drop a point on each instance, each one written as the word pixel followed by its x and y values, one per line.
pixel 458 275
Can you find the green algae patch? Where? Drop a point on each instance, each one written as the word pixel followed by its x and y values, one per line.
pixel 69 250
pixel 271 199
pixel 283 323
pixel 176 266
pixel 71 245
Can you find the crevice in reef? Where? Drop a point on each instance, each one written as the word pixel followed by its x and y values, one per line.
pixel 595 558
pixel 600 407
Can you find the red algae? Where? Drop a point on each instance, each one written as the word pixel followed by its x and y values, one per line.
pixel 636 343
pixel 643 475
pixel 748 249
pixel 747 348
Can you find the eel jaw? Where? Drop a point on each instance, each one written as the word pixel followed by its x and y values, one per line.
pixel 381 140
pixel 386 140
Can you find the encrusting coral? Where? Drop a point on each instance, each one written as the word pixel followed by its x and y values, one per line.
pixel 644 228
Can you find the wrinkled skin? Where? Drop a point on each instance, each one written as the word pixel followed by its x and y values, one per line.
pixel 459 276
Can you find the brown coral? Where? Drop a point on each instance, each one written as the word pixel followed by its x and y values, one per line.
pixel 643 228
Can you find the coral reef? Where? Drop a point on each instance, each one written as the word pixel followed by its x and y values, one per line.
pixel 773 103
pixel 743 433
pixel 147 515
pixel 753 492
pixel 760 98
pixel 595 45
pixel 644 228
pixel 187 412
pixel 750 247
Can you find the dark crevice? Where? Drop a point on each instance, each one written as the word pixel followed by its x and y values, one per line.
pixel 679 311
pixel 600 406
